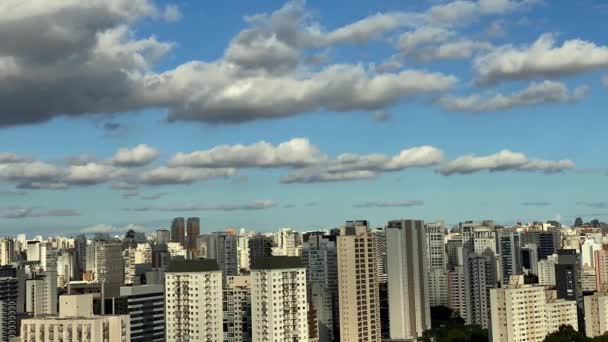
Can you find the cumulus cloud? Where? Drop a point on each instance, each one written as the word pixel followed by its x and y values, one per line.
pixel 352 166
pixel 534 94
pixel 140 155
pixel 26 172
pixel 504 160
pixel 541 59
pixel 183 175
pixel 255 205
pixel 293 153
pixel 93 62
pixel 390 204
pixel 92 173
pixel 10 158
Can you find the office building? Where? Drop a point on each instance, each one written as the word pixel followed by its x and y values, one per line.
pixel 406 250
pixel 481 278
pixel 547 241
pixel 145 305
pixel 9 294
pixel 357 279
pixel 80 256
pixel 529 259
pixel 76 322
pixel 135 254
pixel 568 280
pixel 237 309
pixel 436 264
pixel 178 231
pixel 193 230
pixel 510 254
pixel 193 302
pixel 162 237
pixel 527 313
pixel 601 269
pixel 319 256
pixel 222 247
pixel 279 304
pixel 259 246
pixel 7 251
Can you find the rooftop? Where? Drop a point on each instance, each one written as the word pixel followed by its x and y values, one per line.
pixel 200 265
pixel 276 262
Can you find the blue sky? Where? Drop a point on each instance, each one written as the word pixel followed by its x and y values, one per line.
pixel 469 79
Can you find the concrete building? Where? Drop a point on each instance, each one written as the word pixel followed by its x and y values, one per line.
pixel 588 249
pixel 237 309
pixel 437 264
pixel 510 254
pixel 178 231
pixel 76 322
pixel 162 237
pixel 319 256
pixel 547 241
pixel 279 304
pixel 7 251
pixel 601 269
pixel 596 314
pixel 193 301
pixel 408 293
pixel 193 230
pixel 9 294
pixel 287 243
pixel 481 278
pixel 145 305
pixel 457 297
pixel 222 247
pixel 243 252
pixel 529 259
pixel 380 254
pixel 568 279
pixel 357 279
pixel 546 270
pixel 259 246
pixel 527 313
pixel 135 254
pixel 41 294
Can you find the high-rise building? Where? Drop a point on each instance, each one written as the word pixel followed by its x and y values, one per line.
pixel 526 313
pixel 588 249
pixel 279 304
pixel 76 322
pixel 193 301
pixel 162 237
pixel 529 259
pixel 259 246
pixel 457 297
pixel 596 314
pixel 222 247
pixel 546 270
pixel 41 294
pixel 108 265
pixel 243 252
pixel 380 254
pixel 568 279
pixel 547 241
pixel 66 267
pixel 287 243
pixel 193 230
pixel 453 248
pixel 481 279
pixel 406 250
pixel 8 302
pixel 135 254
pixel 509 249
pixel 7 251
pixel 601 269
pixel 80 256
pixel 319 256
pixel 357 284
pixel 437 264
pixel 237 309
pixel 145 305
pixel 178 231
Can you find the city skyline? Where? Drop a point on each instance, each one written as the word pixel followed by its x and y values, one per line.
pixel 300 114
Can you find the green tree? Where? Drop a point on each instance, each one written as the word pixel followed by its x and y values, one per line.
pixel 566 333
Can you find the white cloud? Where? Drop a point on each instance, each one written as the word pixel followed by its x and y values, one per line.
pixel 390 204
pixel 542 59
pixel 458 49
pixel 534 94
pixel 504 160
pixel 33 171
pixel 172 13
pixel 10 158
pixel 140 155
pixel 409 41
pixel 350 166
pixel 295 152
pixel 93 173
pixel 182 175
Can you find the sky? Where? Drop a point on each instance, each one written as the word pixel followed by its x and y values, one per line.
pixel 266 114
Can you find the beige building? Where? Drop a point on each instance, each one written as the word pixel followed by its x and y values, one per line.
pixel 193 301
pixel 596 314
pixel 528 313
pixel 279 305
pixel 357 284
pixel 76 323
pixel 601 269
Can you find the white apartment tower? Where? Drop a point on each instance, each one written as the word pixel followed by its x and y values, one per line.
pixel 546 270
pixel 279 305
pixel 437 264
pixel 357 284
pixel 41 294
pixel 528 313
pixel 193 301
pixel 596 314
pixel 408 296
